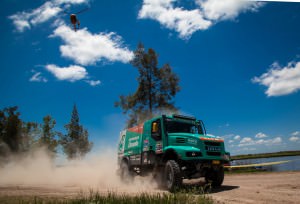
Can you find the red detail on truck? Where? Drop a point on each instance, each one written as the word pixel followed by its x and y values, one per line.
pixel 137 129
pixel 212 139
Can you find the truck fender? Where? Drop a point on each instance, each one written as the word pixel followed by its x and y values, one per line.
pixel 170 154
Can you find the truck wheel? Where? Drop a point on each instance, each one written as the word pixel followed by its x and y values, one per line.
pixel 125 174
pixel 215 177
pixel 172 175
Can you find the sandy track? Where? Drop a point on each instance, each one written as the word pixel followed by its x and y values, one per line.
pixel 276 187
pixel 282 187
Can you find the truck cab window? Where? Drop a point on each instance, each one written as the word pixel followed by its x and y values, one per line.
pixel 179 127
pixel 156 130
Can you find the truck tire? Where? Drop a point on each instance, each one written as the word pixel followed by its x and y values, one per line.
pixel 172 175
pixel 125 174
pixel 215 177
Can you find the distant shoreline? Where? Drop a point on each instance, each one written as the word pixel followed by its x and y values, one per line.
pixel 266 155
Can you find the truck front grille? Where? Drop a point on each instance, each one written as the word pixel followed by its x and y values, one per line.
pixel 213 153
pixel 180 140
pixel 212 143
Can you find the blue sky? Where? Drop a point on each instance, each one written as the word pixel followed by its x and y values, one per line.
pixel 238 63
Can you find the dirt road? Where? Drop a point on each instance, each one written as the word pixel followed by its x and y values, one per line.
pixel 276 187
pixel 282 187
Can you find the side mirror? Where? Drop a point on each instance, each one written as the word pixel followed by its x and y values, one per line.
pixel 154 127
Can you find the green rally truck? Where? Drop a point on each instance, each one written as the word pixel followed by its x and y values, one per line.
pixel 172 148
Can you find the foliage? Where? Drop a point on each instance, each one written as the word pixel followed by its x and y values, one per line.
pixel 30 133
pixel 47 138
pixel 19 137
pixel 75 143
pixel 156 90
pixel 10 128
pixel 266 155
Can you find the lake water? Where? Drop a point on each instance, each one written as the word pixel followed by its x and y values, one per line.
pixel 293 165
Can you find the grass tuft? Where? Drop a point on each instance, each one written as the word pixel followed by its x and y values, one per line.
pixel 181 197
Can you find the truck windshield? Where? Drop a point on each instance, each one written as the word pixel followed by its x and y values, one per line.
pixel 182 127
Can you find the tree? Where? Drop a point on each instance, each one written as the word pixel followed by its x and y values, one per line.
pixel 76 142
pixel 30 133
pixel 156 90
pixel 10 128
pixel 47 138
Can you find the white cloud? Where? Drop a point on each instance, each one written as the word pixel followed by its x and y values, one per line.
pixel 86 48
pixel 230 141
pixel 246 140
pixel 260 141
pixel 276 140
pixel 296 133
pixel 25 20
pixel 226 9
pixel 93 82
pixel 72 73
pixel 37 77
pixel 280 80
pixel 44 13
pixel 19 22
pixel 260 135
pixel 71 1
pixel 294 138
pixel 186 22
pixel 237 137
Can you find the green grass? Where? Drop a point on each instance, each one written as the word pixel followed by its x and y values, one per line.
pixel 182 197
pixel 244 170
pixel 266 155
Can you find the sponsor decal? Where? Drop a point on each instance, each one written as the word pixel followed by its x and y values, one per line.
pixel 135 157
pixel 133 142
pixel 145 158
pixel 146 145
pixel 192 141
pixel 158 148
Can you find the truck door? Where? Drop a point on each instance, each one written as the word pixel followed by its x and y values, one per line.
pixel 156 135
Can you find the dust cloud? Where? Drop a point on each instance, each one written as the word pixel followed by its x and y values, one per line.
pixel 97 171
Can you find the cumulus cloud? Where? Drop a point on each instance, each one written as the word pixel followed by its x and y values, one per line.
pixel 237 137
pixel 86 48
pixel 246 140
pixel 280 80
pixel 296 133
pixel 26 19
pixel 260 135
pixel 186 22
pixel 226 9
pixel 276 140
pixel 294 138
pixel 72 73
pixel 37 77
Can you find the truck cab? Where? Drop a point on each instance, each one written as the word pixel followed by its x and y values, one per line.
pixel 172 148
